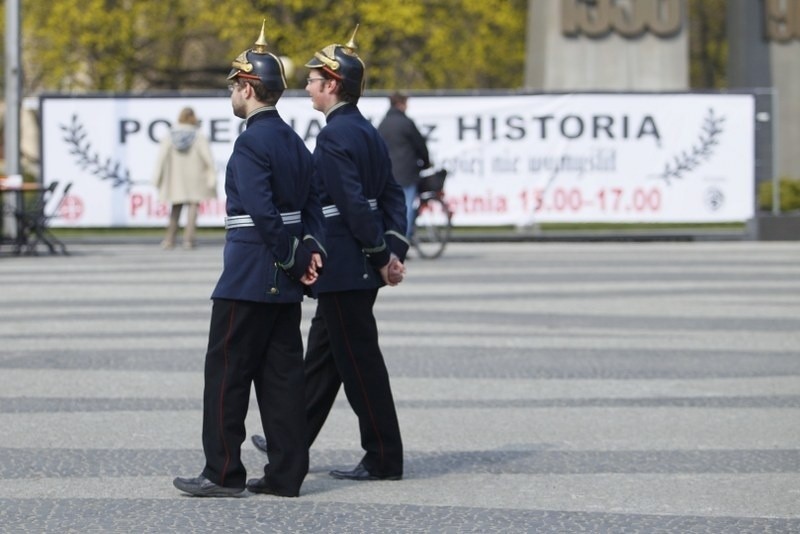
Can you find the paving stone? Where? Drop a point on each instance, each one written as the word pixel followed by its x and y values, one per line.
pixel 541 387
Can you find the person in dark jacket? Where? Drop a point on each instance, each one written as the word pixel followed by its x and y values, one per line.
pixel 365 237
pixel 273 250
pixel 407 149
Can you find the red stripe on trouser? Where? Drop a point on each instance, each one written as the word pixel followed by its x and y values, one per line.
pixel 222 396
pixel 360 378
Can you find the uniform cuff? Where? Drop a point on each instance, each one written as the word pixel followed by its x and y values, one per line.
pixel 298 260
pixel 378 256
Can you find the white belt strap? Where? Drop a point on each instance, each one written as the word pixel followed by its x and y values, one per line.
pixel 332 211
pixel 244 221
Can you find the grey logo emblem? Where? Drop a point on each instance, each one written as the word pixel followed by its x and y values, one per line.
pixel 714 198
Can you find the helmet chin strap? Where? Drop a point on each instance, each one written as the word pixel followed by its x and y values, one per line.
pixel 332 73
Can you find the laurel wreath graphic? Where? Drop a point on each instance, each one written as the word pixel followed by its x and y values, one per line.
pixel 81 148
pixel 690 159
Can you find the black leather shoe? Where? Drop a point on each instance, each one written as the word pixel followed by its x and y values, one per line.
pixel 260 485
pixel 202 487
pixel 260 442
pixel 360 473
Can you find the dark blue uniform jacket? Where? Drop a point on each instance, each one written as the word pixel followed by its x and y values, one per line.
pixel 270 172
pixel 353 167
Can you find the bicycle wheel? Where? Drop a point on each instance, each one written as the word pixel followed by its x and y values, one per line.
pixel 432 227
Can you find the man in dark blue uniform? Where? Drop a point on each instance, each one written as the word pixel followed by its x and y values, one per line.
pixel 365 237
pixel 272 252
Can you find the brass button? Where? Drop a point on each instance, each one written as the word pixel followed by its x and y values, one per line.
pixel 365 276
pixel 273 290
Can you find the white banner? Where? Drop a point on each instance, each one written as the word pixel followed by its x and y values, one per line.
pixel 512 160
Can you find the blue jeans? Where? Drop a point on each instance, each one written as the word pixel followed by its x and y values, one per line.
pixel 410 192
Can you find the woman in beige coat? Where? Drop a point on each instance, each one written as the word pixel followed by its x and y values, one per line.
pixel 185 175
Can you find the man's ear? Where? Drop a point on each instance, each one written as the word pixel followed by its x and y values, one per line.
pixel 334 85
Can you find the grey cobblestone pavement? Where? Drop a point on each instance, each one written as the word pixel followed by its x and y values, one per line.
pixel 541 387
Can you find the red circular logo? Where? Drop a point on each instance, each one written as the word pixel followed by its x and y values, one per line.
pixel 71 208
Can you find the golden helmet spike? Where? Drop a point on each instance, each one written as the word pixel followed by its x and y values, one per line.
pixel 260 46
pixel 351 44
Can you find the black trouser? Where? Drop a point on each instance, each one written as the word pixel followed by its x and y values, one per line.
pixel 259 344
pixel 343 348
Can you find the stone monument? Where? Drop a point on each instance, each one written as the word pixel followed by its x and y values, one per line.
pixel 782 33
pixel 607 45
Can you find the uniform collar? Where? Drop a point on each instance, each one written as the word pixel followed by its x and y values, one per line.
pixel 257 111
pixel 336 106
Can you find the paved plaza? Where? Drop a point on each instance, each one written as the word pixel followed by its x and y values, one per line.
pixel 541 387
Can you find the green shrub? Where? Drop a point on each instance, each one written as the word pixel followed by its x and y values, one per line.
pixel 789 191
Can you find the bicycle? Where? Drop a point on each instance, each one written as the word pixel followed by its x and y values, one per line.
pixel 432 217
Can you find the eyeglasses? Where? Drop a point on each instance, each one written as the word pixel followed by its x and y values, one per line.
pixel 309 80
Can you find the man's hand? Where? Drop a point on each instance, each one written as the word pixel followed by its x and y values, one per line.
pixel 312 271
pixel 393 272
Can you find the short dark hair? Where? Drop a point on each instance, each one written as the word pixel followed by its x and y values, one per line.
pixel 263 94
pixel 397 98
pixel 343 95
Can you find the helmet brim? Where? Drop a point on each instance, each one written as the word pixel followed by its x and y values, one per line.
pixel 314 63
